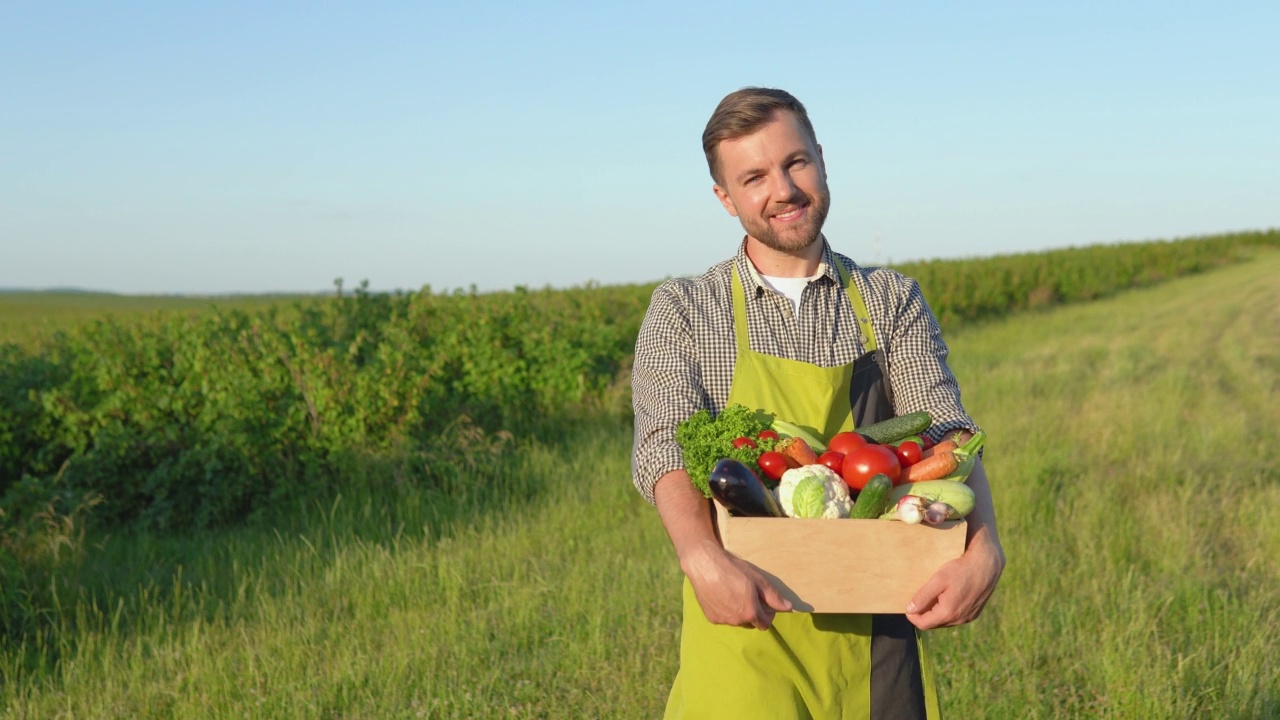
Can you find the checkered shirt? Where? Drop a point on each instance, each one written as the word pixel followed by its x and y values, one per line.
pixel 686 349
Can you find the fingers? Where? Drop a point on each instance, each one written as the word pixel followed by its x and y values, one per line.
pixel 771 597
pixel 769 603
pixel 927 596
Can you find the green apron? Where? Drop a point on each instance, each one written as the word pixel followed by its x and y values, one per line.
pixel 806 665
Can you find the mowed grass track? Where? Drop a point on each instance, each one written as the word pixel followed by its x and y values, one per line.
pixel 1133 460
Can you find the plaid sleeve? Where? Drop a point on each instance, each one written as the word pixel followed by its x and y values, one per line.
pixel 917 359
pixel 665 384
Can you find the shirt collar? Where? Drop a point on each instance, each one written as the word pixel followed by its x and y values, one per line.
pixel 754 286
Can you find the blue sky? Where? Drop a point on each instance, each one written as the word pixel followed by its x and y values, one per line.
pixel 254 147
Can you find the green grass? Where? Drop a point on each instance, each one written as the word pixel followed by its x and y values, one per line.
pixel 27 318
pixel 1132 458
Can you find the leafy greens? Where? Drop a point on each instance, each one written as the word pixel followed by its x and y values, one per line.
pixel 705 440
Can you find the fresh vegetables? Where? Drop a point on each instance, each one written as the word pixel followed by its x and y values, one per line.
pixel 909 452
pixel 958 497
pixel 868 461
pixel 833 460
pixel 773 464
pixel 945 446
pixel 846 442
pixel 872 499
pixel 814 491
pixel 952 464
pixel 897 428
pixel 934 467
pixel 791 430
pixel 742 493
pixel 894 478
pixel 797 449
pixel 967 455
pixel 937 512
pixel 909 509
pixel 704 440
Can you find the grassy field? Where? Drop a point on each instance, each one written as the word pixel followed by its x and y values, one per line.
pixel 28 317
pixel 1136 478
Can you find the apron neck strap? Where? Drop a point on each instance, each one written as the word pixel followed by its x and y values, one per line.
pixel 850 289
pixel 740 314
pixel 859 308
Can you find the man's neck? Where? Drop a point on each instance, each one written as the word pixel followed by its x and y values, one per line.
pixel 776 263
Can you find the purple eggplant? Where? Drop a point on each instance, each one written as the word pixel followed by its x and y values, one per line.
pixel 741 492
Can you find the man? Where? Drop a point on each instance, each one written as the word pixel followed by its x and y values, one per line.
pixel 791 327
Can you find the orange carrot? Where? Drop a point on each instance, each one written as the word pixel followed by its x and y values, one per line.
pixel 945 446
pixel 935 467
pixel 797 449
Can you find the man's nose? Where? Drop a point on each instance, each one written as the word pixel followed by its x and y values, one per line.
pixel 784 188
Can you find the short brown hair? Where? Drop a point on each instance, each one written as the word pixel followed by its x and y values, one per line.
pixel 743 112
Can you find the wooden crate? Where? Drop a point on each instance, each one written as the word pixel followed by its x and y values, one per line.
pixel 842 566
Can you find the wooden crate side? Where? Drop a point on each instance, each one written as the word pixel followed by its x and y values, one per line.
pixel 865 566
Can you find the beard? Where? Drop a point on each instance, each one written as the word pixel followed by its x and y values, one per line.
pixel 796 236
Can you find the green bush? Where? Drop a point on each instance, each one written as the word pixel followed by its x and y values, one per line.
pixel 963 291
pixel 194 420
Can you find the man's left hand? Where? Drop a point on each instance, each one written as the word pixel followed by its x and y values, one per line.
pixel 959 590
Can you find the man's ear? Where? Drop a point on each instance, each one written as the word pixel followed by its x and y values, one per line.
pixel 822 163
pixel 725 200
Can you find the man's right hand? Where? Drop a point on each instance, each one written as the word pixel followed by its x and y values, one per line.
pixel 730 590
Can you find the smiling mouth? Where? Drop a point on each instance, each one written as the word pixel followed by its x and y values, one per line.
pixel 791 215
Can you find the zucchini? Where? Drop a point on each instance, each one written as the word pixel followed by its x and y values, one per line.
pixel 789 429
pixel 873 498
pixel 956 494
pixel 894 429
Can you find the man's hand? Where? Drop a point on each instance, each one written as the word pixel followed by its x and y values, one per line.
pixel 959 590
pixel 730 590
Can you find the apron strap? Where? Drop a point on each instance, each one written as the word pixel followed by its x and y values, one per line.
pixel 859 308
pixel 740 315
pixel 850 289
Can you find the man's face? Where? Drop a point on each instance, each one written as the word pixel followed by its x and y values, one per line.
pixel 774 182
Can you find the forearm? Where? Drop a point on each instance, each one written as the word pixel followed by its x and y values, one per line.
pixel 982 534
pixel 686 516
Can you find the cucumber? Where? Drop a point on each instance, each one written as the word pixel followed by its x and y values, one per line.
pixel 873 498
pixel 893 429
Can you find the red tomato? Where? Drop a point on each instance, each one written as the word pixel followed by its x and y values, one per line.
pixel 767 435
pixel 846 442
pixel 744 442
pixel 832 459
pixel 908 453
pixel 868 461
pixel 773 464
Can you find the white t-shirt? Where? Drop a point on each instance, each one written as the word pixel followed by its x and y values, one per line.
pixel 792 287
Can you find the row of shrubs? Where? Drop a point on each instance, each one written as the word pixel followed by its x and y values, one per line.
pixel 184 420
pixel 964 291
pixel 199 419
